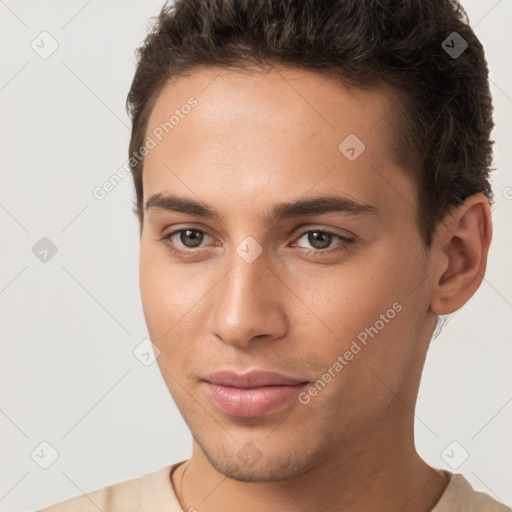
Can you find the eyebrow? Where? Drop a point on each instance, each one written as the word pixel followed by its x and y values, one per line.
pixel 312 206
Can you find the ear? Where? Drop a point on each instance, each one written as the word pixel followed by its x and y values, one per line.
pixel 460 249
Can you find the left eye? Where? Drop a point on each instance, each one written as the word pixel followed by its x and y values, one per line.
pixel 321 240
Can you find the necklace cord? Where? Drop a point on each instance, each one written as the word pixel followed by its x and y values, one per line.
pixel 181 486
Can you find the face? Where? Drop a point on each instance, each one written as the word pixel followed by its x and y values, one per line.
pixel 333 293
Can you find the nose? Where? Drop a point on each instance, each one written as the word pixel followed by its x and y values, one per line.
pixel 248 303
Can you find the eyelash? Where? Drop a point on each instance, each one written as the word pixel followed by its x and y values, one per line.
pixel 166 239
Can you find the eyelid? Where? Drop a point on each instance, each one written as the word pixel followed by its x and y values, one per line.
pixel 301 230
pixel 306 228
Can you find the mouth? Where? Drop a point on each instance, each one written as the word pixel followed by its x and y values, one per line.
pixel 252 394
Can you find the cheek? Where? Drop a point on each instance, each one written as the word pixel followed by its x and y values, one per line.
pixel 165 311
pixel 373 315
pixel 161 301
pixel 171 301
pixel 152 290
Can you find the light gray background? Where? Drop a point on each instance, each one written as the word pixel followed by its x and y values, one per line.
pixel 69 326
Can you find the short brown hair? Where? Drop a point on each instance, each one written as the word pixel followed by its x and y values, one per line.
pixel 442 125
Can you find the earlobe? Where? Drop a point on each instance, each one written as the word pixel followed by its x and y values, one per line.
pixel 463 240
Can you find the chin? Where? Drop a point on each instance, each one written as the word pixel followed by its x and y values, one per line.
pixel 249 464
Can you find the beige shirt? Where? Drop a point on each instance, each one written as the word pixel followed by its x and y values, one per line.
pixel 153 492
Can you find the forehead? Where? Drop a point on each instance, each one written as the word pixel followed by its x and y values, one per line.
pixel 254 131
pixel 303 102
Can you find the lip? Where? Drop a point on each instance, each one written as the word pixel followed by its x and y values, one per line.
pixel 252 379
pixel 252 394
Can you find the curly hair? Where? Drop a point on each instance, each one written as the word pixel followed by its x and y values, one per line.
pixel 442 120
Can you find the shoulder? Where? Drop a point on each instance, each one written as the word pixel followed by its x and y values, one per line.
pixel 460 496
pixel 124 496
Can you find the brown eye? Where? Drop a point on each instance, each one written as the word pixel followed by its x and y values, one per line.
pixel 321 241
pixel 194 236
pixel 185 241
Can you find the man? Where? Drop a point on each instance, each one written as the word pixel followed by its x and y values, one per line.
pixel 312 189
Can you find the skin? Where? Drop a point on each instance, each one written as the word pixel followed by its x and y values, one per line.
pixel 260 138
